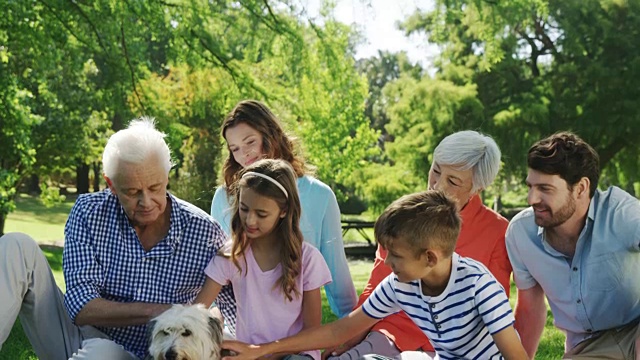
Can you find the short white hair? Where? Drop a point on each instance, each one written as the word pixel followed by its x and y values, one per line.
pixel 470 150
pixel 136 144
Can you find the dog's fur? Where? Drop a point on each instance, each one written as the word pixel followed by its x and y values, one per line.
pixel 185 333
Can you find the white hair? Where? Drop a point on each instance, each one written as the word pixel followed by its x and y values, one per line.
pixel 470 150
pixel 136 144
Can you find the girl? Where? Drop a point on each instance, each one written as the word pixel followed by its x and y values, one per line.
pixel 252 132
pixel 275 275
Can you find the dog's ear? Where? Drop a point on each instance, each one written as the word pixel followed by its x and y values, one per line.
pixel 150 326
pixel 215 326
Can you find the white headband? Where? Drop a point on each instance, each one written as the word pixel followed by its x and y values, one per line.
pixel 266 177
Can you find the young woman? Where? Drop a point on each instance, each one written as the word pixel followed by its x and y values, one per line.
pixel 275 275
pixel 252 132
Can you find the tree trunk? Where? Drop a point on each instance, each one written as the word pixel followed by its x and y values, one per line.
pixel 97 175
pixel 82 178
pixel 33 186
pixel 3 217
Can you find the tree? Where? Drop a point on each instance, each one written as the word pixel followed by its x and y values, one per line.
pixel 380 70
pixel 542 67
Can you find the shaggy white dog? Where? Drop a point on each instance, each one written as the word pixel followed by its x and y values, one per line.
pixel 185 333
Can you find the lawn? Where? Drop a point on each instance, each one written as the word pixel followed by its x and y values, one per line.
pixel 46 225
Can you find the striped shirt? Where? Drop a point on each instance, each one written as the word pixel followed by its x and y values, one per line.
pixel 103 258
pixel 459 322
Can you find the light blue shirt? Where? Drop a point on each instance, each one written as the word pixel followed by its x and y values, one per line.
pixel 321 227
pixel 599 289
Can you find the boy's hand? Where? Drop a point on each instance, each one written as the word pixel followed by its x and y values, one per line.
pixel 334 351
pixel 243 351
pixel 348 345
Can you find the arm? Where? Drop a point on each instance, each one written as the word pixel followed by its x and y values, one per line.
pixel 379 272
pixel 531 316
pixel 221 209
pixel 101 312
pixel 500 266
pixel 315 338
pixel 311 309
pixel 85 277
pixel 208 293
pixel 509 344
pixel 341 293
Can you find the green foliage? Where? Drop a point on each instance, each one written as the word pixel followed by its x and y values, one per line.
pixel 539 67
pixel 190 106
pixel 381 70
pixel 423 112
pixel 381 184
pixel 74 72
pixel 329 107
pixel 50 196
pixel 17 155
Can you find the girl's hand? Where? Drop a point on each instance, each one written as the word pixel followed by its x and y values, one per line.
pixel 243 351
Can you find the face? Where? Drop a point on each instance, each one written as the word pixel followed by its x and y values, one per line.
pixel 553 203
pixel 402 260
pixel 455 183
pixel 245 144
pixel 141 190
pixel 259 214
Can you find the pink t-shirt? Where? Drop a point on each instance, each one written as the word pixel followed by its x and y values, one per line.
pixel 264 313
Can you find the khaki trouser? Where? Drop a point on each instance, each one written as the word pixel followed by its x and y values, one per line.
pixel 28 290
pixel 612 344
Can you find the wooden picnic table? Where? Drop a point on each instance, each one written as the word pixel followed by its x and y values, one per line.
pixel 360 226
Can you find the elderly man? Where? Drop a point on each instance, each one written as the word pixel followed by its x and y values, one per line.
pixel 130 252
pixel 580 247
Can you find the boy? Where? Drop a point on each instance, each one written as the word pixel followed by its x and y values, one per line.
pixel 456 301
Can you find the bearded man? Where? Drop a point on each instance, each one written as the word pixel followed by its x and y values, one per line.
pixel 580 247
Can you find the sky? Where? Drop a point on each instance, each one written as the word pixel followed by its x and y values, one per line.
pixel 376 19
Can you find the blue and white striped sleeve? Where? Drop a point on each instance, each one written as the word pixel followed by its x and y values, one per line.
pixel 82 273
pixel 382 302
pixel 492 304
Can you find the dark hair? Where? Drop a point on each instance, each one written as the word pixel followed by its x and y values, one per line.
pixel 275 142
pixel 567 155
pixel 424 220
pixel 288 228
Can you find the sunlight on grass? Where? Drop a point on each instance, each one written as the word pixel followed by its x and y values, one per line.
pixel 42 223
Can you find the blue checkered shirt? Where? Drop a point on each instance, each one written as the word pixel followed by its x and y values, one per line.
pixel 103 258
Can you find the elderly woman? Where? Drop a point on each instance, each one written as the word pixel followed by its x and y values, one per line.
pixel 464 163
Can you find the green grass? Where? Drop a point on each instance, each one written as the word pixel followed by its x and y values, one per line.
pixel 17 345
pixel 47 224
pixel 44 224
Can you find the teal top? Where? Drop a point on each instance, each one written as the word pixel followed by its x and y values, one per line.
pixel 596 290
pixel 321 227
